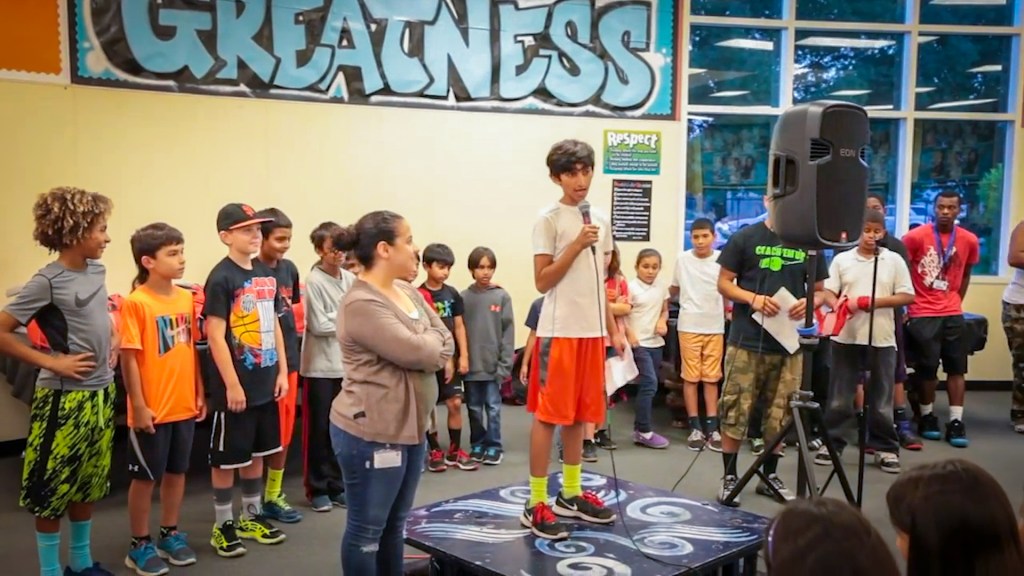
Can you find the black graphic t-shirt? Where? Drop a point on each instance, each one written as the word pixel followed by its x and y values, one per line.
pixel 249 303
pixel 447 303
pixel 763 265
pixel 287 275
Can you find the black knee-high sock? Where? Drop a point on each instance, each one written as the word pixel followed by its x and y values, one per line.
pixel 455 436
pixel 432 441
pixel 729 460
pixel 770 464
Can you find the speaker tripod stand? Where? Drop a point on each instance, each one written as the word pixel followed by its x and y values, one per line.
pixel 801 403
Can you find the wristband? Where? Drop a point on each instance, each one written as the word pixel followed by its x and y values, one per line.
pixel 864 302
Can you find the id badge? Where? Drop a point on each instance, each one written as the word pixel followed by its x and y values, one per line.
pixel 940 284
pixel 387 458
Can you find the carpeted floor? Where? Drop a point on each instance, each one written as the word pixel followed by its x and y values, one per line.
pixel 312 545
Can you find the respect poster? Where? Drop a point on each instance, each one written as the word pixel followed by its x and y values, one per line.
pixel 632 152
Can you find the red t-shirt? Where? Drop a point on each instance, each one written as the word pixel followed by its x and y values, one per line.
pixel 926 267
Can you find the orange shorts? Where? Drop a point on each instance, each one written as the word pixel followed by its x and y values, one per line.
pixel 567 381
pixel 702 357
pixel 286 408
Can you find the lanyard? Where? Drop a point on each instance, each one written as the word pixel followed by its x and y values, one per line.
pixel 945 253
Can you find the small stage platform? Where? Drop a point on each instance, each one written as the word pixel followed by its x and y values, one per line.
pixel 668 534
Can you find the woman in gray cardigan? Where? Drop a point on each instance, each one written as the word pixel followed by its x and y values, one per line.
pixel 392 344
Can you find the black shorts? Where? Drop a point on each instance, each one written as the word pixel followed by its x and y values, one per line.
pixel 449 390
pixel 935 339
pixel 901 356
pixel 238 437
pixel 168 449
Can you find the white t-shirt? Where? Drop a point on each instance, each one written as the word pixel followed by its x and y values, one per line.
pixel 575 307
pixel 850 275
pixel 701 307
pixel 648 300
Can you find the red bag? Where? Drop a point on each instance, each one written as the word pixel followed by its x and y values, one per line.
pixel 299 311
pixel 198 301
pixel 37 339
pixel 831 323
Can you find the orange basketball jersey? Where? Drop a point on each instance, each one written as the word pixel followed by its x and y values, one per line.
pixel 163 330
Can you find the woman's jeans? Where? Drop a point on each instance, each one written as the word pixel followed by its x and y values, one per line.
pixel 648 362
pixel 380 484
pixel 483 398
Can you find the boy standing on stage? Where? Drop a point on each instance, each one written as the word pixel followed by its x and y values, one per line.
pixel 851 275
pixel 941 257
pixel 567 376
pixel 755 266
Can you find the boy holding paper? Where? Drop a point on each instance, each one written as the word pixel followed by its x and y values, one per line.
pixel 755 266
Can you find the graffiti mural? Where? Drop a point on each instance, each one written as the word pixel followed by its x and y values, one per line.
pixel 584 57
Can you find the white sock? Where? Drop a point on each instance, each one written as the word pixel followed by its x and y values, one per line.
pixel 926 409
pixel 647 435
pixel 251 505
pixel 956 413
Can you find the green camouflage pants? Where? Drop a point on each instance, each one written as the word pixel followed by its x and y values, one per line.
pixel 1013 324
pixel 750 375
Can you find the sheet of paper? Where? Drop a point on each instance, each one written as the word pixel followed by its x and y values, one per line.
pixel 780 326
pixel 619 371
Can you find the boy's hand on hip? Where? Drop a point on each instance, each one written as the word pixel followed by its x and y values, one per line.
pixel 236 398
pixel 74 366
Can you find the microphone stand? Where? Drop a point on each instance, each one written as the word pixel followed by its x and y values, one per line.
pixel 872 364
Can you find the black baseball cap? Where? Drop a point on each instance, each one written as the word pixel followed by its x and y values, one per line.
pixel 236 215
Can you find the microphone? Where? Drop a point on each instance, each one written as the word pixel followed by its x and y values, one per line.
pixel 584 207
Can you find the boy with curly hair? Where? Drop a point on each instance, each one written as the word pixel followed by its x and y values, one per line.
pixel 71 430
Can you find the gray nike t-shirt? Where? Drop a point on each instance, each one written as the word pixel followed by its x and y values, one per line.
pixel 70 307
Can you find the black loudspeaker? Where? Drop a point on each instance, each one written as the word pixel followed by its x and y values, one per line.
pixel 819 174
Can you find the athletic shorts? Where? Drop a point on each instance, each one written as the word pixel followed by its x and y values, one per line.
pixel 67 456
pixel 701 357
pixel 286 408
pixel 448 390
pixel 168 449
pixel 567 381
pixel 238 437
pixel 934 339
pixel 751 376
pixel 901 355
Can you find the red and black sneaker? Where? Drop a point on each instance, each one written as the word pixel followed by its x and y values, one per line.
pixel 435 462
pixel 543 522
pixel 587 506
pixel 458 458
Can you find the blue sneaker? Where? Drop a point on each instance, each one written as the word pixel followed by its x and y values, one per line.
pixel 928 427
pixel 339 500
pixel 143 558
pixel 175 550
pixel 493 456
pixel 477 453
pixel 95 570
pixel 956 434
pixel 279 509
pixel 320 503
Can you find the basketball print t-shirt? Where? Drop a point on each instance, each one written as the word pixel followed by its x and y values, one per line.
pixel 247 301
pixel 163 331
pixel 287 276
pixel 763 265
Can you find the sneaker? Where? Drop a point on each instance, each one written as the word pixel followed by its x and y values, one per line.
pixel 543 522
pixel 279 509
pixel 888 462
pixel 757 446
pixel 956 434
pixel 815 444
pixel 656 441
pixel 477 453
pixel 259 529
pixel 461 460
pixel 493 456
pixel 928 427
pixel 728 485
pixel 823 458
pixel 175 549
pixel 436 461
pixel 908 440
pixel 1018 427
pixel 696 440
pixel 587 506
pixel 145 561
pixel 715 441
pixel 321 503
pixel 784 495
pixel 96 569
pixel 589 451
pixel 225 540
pixel 339 500
pixel 604 440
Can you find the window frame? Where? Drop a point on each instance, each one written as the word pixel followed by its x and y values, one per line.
pixel 907 115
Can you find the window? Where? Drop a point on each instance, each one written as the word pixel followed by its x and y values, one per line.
pixel 963 73
pixel 845 10
pixel 727 171
pixel 966 156
pixel 861 68
pixel 734 66
pixel 737 8
pixel 969 12
pixel 883 160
